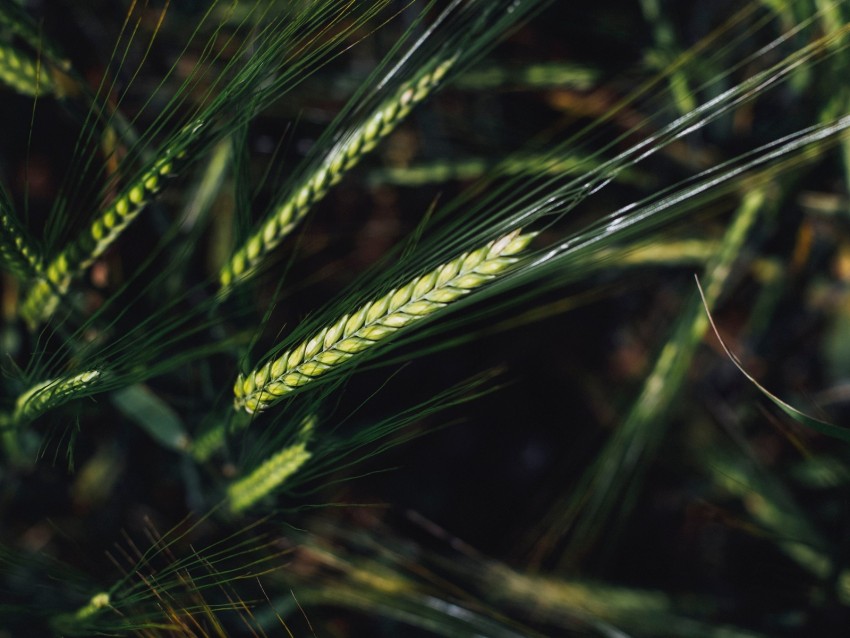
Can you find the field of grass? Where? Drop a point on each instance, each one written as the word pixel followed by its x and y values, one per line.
pixel 457 318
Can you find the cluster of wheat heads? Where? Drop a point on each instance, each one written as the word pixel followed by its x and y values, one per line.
pixel 186 332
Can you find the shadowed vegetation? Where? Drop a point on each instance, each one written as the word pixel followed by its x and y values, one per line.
pixel 380 318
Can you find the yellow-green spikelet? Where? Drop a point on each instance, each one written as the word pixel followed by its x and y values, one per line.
pixel 376 321
pixel 342 158
pixel 43 298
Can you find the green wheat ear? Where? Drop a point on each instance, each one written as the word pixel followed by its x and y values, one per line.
pixel 15 19
pixel 376 321
pixel 26 75
pixel 97 602
pixel 47 395
pixel 273 472
pixel 68 624
pixel 342 158
pixel 44 296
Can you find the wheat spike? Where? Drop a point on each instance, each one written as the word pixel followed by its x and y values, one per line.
pixel 273 472
pixel 208 442
pixel 25 75
pixel 243 493
pixel 43 298
pixel 376 321
pixel 17 252
pixel 68 624
pixel 343 157
pixel 47 395
pixel 97 602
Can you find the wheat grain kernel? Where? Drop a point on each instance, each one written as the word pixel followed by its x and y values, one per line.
pixel 247 385
pixel 314 345
pixel 375 332
pixel 334 332
pixel 136 195
pixel 401 296
pixel 493 267
pixel 352 345
pixel 252 404
pixel 397 320
pixel 379 308
pixel 53 272
pixel 110 219
pixel 278 367
pixel 297 355
pixel 331 357
pixel 313 368
pixel 97 230
pixel 422 307
pixel 321 180
pixel 261 376
pixel 373 126
pixel 276 388
pixel 424 284
pixel 295 379
pixel 284 215
pixel 471 280
pixel 237 264
pixel 304 196
pixel 444 295
pixel 355 321
pixel 255 245
pixel 270 230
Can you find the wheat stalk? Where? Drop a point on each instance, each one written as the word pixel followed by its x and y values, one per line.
pixel 47 395
pixel 376 321
pixel 343 157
